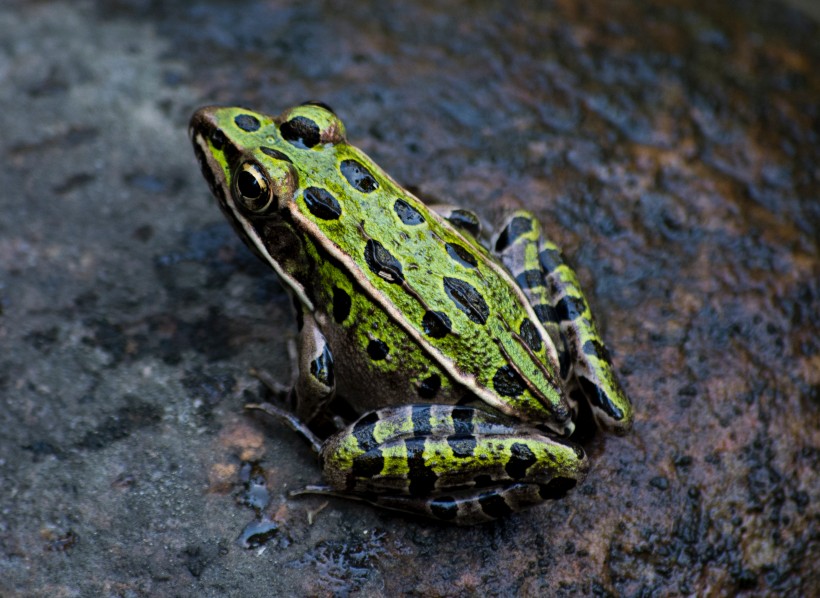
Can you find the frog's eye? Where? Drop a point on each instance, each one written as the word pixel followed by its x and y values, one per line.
pixel 262 187
pixel 252 188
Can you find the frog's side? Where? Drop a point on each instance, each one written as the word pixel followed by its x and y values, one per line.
pixel 456 357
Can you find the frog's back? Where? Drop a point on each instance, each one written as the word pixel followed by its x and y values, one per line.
pixel 421 275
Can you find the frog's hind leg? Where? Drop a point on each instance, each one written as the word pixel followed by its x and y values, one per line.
pixel 553 289
pixel 453 463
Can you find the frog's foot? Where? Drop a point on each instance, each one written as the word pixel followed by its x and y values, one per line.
pixel 555 294
pixel 471 506
pixel 463 507
pixel 453 463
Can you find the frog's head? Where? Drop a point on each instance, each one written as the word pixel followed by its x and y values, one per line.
pixel 246 157
pixel 249 161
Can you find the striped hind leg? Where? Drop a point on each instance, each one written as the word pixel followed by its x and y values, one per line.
pixel 553 289
pixel 458 464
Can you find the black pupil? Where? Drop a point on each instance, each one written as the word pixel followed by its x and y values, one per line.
pixel 248 185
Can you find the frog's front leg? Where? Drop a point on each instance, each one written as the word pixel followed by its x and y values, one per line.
pixel 553 289
pixel 315 384
pixel 453 463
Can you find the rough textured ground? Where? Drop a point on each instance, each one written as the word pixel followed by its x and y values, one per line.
pixel 670 148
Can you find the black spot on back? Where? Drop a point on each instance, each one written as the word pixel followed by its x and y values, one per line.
pixel 407 213
pixel 521 458
pixel 247 122
pixel 531 335
pixel 358 176
pixel 341 305
pixel 556 488
pixel 382 262
pixel 377 350
pixel 514 229
pixel 436 324
pixel 461 255
pixel 429 387
pixel 321 368
pixel 322 204
pixel 275 154
pixel 301 131
pixel 467 299
pixel 507 382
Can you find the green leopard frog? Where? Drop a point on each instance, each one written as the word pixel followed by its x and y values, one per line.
pixel 464 362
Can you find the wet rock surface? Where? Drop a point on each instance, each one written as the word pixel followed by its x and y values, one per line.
pixel 671 149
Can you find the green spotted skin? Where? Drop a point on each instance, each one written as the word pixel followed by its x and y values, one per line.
pixel 407 316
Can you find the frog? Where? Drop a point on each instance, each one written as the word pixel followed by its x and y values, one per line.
pixel 466 357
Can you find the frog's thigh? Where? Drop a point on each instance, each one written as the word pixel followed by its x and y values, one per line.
pixel 455 463
pixel 315 385
pixel 516 245
pixel 555 293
